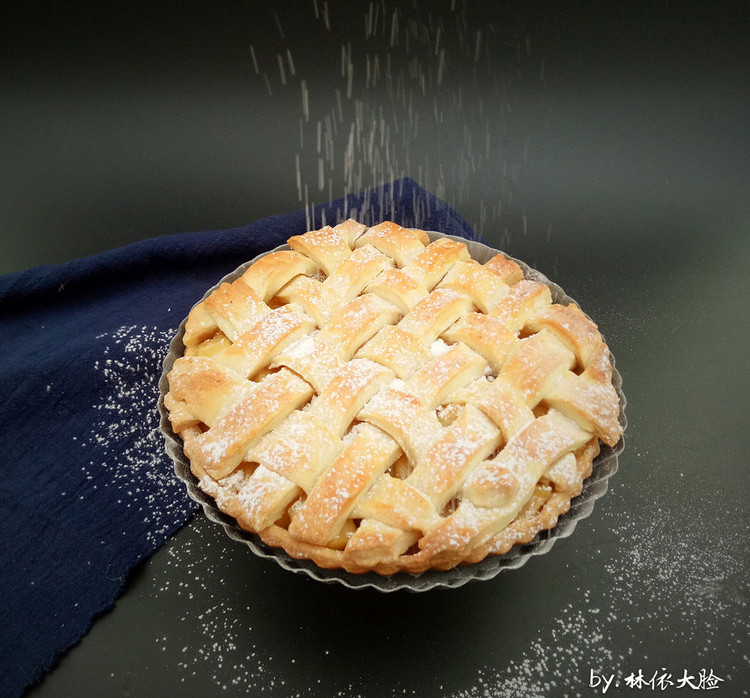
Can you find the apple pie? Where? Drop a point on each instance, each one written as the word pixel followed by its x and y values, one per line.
pixel 372 401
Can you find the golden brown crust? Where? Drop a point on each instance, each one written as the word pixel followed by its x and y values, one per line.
pixel 372 401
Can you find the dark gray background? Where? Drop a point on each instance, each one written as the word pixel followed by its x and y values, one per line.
pixel 604 143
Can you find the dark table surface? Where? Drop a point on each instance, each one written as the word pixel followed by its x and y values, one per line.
pixel 606 144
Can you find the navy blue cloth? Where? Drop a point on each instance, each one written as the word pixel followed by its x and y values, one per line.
pixel 87 490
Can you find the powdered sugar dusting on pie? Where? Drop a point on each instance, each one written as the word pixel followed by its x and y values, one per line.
pixel 412 337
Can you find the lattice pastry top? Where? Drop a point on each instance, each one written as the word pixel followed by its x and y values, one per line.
pixel 369 400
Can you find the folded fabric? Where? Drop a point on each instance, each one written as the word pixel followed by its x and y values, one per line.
pixel 87 489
